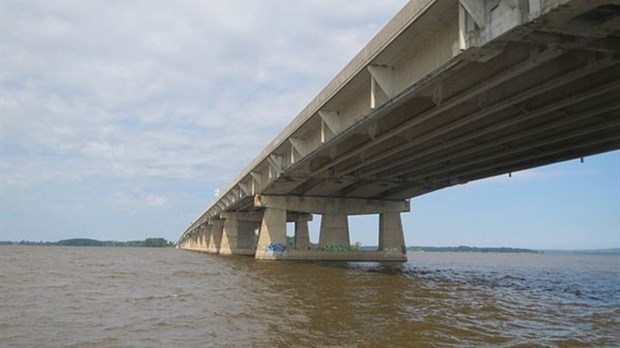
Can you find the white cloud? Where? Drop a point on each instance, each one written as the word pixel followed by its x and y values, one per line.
pixel 165 89
pixel 105 91
pixel 155 200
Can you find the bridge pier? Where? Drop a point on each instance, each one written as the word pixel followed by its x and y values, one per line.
pixel 334 230
pixel 391 236
pixel 201 243
pixel 302 232
pixel 238 236
pixel 272 231
pixel 334 227
pixel 215 237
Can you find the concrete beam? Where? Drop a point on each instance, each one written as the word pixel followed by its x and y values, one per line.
pixel 251 217
pixel 332 205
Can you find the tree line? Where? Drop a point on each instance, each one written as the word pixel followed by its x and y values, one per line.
pixel 147 243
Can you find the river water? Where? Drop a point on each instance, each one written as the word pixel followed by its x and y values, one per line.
pixel 139 297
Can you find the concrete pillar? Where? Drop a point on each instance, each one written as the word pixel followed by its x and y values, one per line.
pixel 238 237
pixel 208 230
pixel 247 235
pixel 391 236
pixel 334 230
pixel 229 237
pixel 302 235
pixel 217 227
pixel 202 245
pixel 272 230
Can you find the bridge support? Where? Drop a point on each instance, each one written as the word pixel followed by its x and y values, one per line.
pixel 334 230
pixel 215 237
pixel 272 231
pixel 302 232
pixel 238 237
pixel 391 236
pixel 334 227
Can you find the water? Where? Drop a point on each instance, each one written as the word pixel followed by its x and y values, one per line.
pixel 119 297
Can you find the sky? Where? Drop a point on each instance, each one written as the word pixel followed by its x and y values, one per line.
pixel 121 119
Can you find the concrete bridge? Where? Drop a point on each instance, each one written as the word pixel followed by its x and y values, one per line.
pixel 447 93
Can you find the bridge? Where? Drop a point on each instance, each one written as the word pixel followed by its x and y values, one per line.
pixel 446 93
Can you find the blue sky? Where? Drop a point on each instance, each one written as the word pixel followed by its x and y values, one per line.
pixel 121 119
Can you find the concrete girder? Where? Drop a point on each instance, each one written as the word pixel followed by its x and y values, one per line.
pixel 541 156
pixel 505 124
pixel 503 153
pixel 500 78
pixel 447 104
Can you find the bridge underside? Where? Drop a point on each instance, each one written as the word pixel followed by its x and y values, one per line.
pixel 486 104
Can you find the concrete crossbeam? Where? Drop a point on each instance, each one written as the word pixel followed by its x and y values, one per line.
pixel 331 205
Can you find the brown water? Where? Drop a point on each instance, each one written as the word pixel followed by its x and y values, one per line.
pixel 58 297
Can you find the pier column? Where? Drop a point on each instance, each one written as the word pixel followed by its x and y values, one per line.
pixel 202 245
pixel 302 234
pixel 238 237
pixel 217 227
pixel 334 230
pixel 334 226
pixel 208 232
pixel 391 236
pixel 272 230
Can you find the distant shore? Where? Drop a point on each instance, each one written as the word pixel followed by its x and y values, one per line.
pixel 470 249
pixel 163 243
pixel 147 243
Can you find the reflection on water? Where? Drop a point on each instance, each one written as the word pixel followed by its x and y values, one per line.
pixel 54 296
